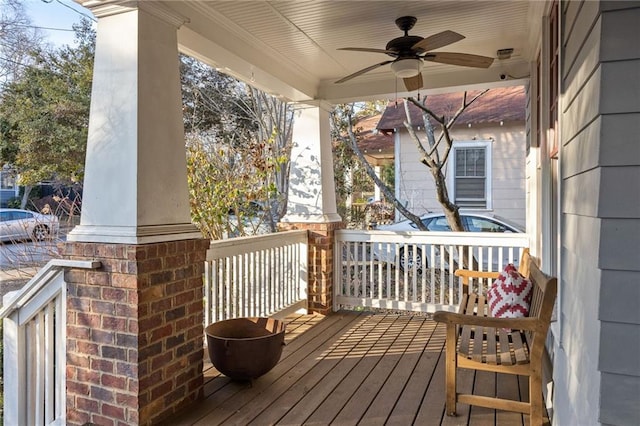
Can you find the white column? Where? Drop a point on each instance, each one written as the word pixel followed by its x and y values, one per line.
pixel 312 195
pixel 135 186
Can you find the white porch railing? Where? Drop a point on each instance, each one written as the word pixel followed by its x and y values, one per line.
pixel 413 271
pixel 34 325
pixel 264 275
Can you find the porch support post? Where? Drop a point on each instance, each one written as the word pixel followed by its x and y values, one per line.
pixel 312 195
pixel 134 327
pixel 312 200
pixel 135 184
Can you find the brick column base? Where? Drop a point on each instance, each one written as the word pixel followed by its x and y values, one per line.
pixel 321 239
pixel 134 331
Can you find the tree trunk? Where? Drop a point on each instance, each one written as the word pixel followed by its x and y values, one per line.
pixel 25 196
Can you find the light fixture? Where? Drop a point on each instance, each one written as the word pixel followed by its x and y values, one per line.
pixel 405 68
pixel 504 53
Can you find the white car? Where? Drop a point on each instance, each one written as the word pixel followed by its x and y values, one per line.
pixel 18 225
pixel 472 222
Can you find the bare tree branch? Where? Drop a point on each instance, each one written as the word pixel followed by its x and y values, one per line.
pixel 388 193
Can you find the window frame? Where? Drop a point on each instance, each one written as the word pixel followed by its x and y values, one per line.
pixel 451 180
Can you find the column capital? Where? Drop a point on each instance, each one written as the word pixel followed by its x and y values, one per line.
pixel 101 9
pixel 314 103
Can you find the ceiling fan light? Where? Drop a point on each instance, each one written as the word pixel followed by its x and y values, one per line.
pixel 406 68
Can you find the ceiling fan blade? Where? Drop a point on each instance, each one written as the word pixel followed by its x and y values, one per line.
pixel 368 49
pixel 362 71
pixel 437 41
pixel 464 59
pixel 413 83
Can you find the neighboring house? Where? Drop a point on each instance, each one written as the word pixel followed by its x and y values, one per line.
pixel 376 146
pixel 486 167
pixel 8 187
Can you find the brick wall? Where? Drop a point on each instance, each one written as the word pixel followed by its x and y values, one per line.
pixel 321 239
pixel 134 333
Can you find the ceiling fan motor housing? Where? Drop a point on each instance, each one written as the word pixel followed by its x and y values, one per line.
pixel 403 45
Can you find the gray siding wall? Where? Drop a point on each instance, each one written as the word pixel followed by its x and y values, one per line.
pixel 598 378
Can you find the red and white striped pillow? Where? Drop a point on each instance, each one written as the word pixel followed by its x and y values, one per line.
pixel 510 294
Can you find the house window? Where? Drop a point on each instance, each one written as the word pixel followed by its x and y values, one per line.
pixel 7 179
pixel 471 175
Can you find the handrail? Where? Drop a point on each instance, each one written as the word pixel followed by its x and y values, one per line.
pixel 23 295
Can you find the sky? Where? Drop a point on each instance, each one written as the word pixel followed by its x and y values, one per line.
pixel 58 14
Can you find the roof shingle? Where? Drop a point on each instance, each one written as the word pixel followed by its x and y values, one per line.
pixel 506 104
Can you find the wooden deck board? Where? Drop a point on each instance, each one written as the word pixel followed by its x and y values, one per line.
pixel 386 398
pixel 484 384
pixel 367 354
pixel 413 403
pixel 380 376
pixel 507 386
pixel 352 368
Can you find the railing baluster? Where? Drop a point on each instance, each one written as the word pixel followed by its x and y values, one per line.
pixel 227 287
pixel 265 282
pixel 271 279
pixel 432 271
pixel 49 361
pixel 207 292
pixel 445 266
pixel 248 284
pixel 40 369
pixel 32 365
pixel 388 265
pixel 405 272
pixel 425 270
pixel 277 279
pixel 61 355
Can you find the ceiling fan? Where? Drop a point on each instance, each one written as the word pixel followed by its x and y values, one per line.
pixel 410 52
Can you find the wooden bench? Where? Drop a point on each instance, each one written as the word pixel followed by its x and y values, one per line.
pixel 475 340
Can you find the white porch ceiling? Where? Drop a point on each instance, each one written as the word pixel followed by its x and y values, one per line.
pixel 289 48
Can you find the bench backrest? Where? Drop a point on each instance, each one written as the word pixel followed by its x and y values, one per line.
pixel 523 266
pixel 542 301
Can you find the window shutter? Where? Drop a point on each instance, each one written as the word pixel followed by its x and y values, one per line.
pixel 470 177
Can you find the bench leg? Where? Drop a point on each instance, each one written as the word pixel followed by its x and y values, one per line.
pixel 450 364
pixel 535 398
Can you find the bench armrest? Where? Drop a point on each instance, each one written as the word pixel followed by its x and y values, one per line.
pixel 466 274
pixel 469 273
pixel 532 324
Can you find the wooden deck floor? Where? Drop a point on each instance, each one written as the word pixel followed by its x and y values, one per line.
pixel 350 368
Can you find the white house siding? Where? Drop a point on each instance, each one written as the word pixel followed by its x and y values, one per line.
pixel 597 367
pixel 415 185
